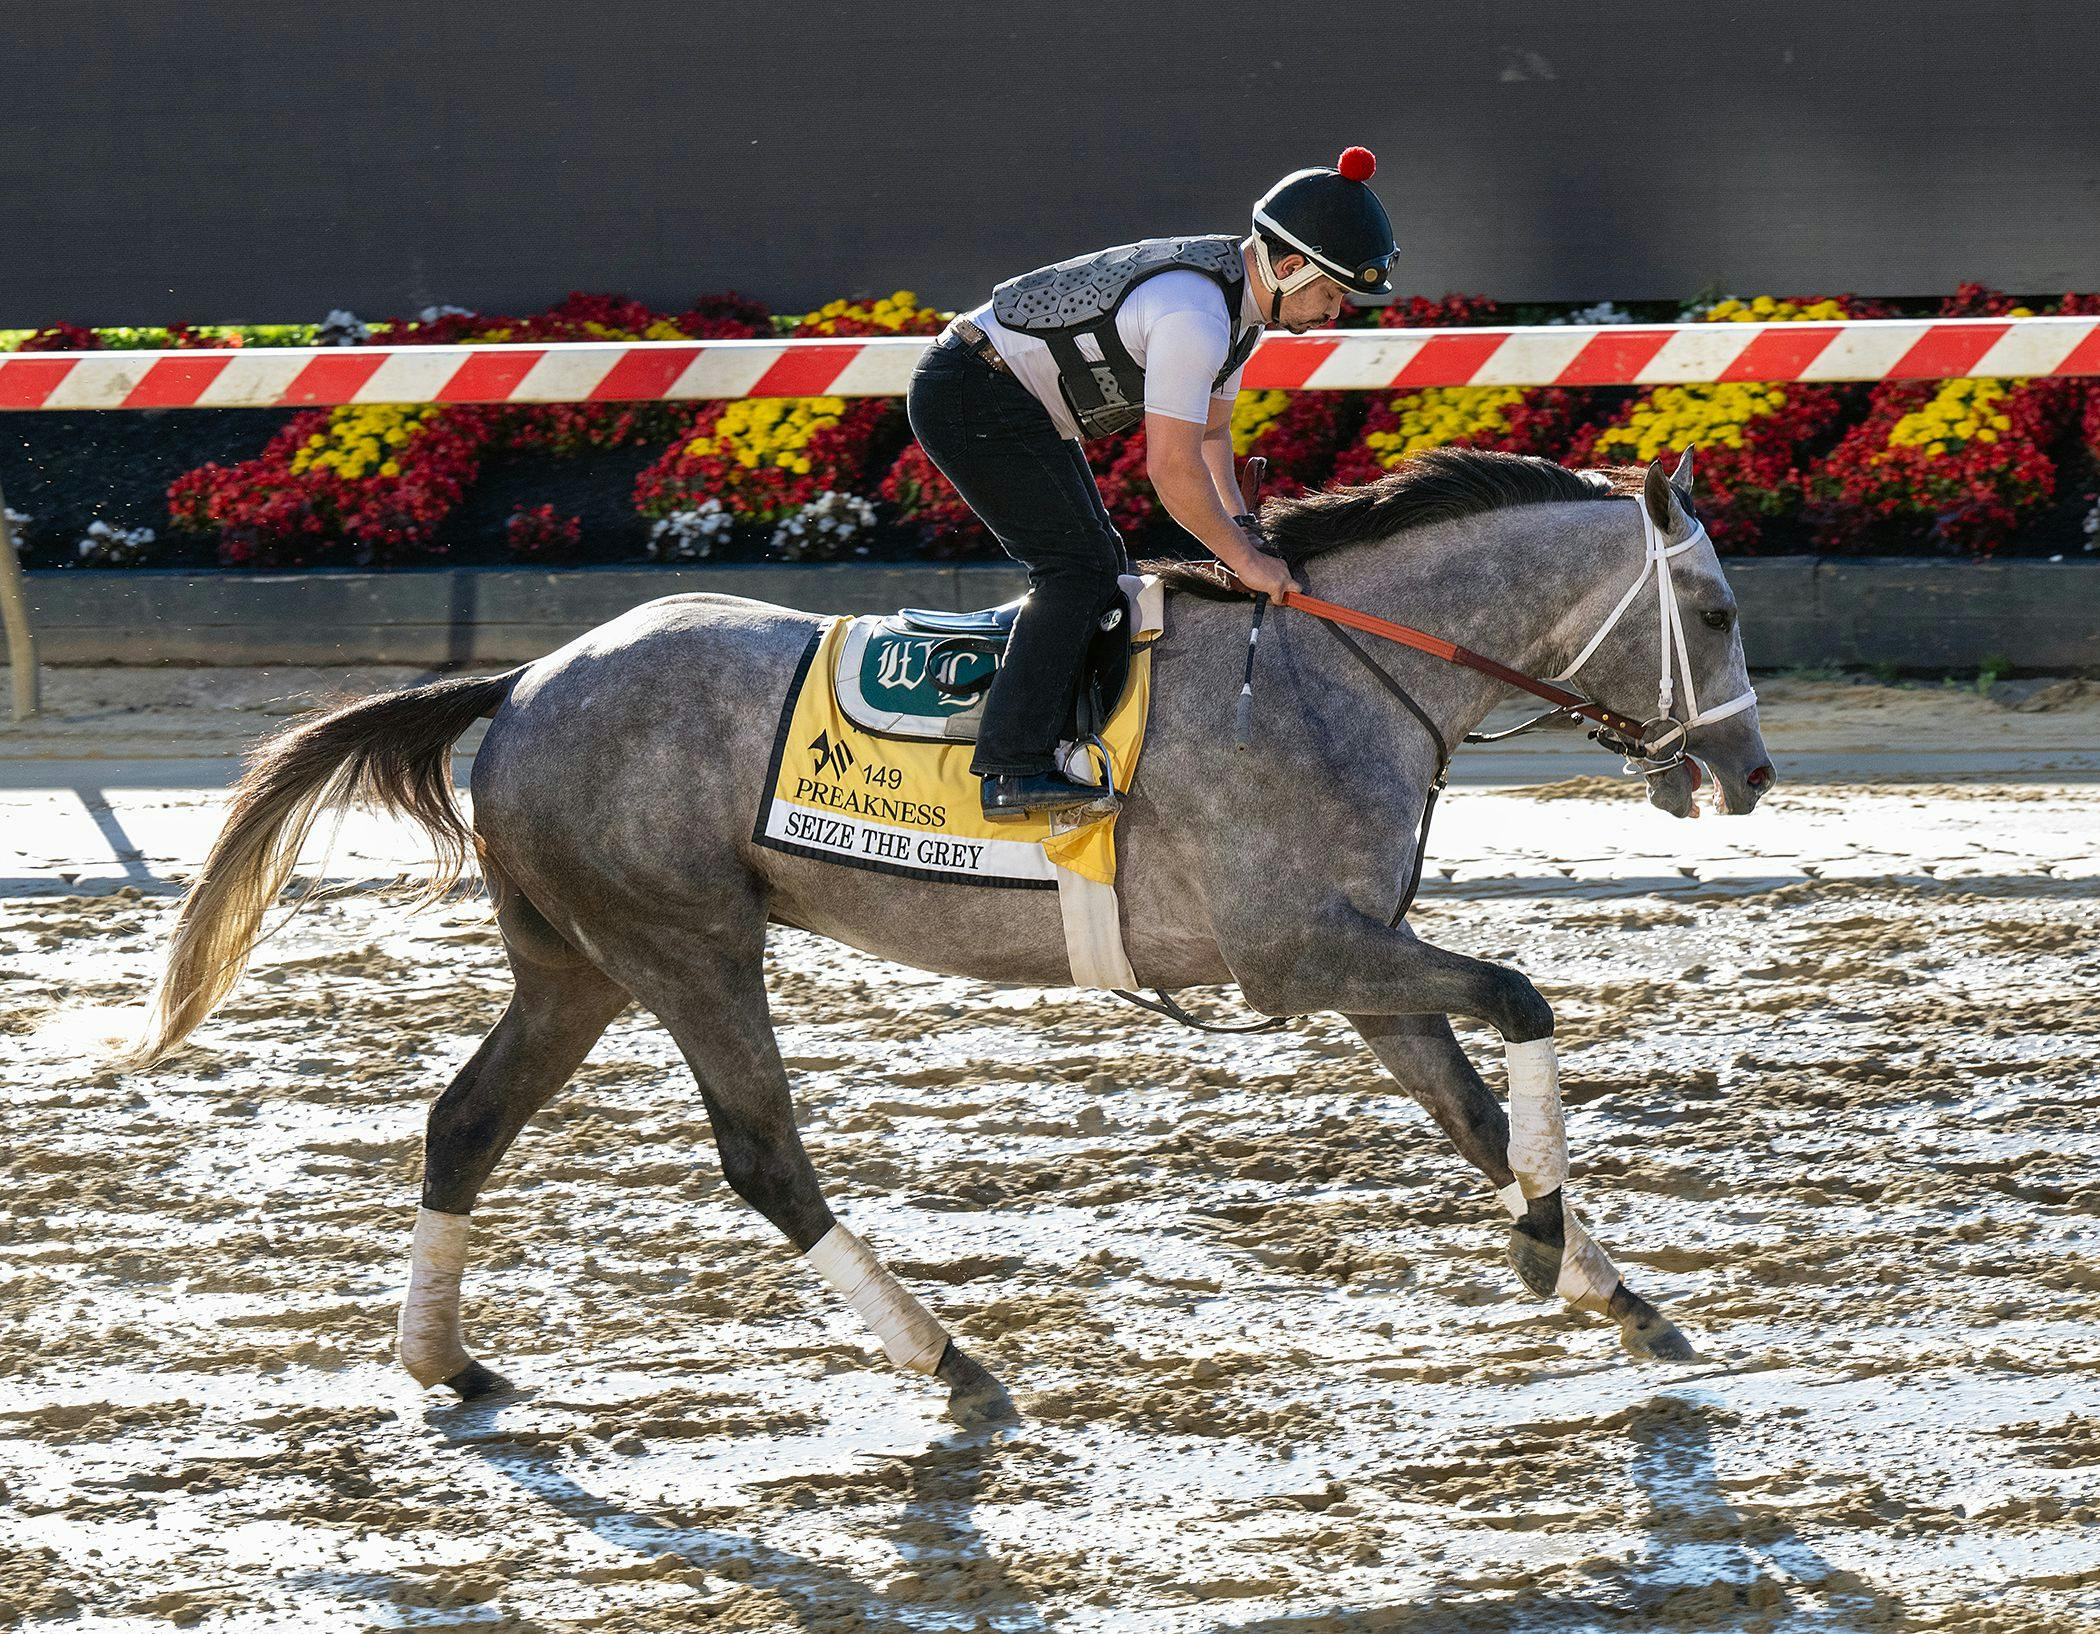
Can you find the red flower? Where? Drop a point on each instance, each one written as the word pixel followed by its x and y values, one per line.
pixel 538 535
pixel 269 515
pixel 1301 444
pixel 921 495
pixel 1970 498
pixel 62 337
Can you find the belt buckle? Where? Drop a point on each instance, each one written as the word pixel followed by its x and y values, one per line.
pixel 976 341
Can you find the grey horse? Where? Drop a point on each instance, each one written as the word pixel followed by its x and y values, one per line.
pixel 614 796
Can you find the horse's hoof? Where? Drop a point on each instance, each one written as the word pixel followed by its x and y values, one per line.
pixel 1536 1263
pixel 477 1383
pixel 1654 1338
pixel 976 1400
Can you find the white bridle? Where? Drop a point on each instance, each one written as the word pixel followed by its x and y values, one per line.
pixel 1670 639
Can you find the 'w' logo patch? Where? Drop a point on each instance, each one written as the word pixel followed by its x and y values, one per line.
pixel 829 756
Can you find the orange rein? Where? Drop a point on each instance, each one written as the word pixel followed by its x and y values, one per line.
pixel 1250 478
pixel 1452 653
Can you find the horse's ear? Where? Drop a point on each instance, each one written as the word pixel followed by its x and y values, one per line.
pixel 1665 509
pixel 1681 478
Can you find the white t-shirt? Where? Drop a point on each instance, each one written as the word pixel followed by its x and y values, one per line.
pixel 1176 328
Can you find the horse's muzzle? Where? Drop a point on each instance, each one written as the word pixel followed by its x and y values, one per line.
pixel 1679 789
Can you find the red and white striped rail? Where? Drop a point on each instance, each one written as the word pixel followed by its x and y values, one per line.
pixel 1329 360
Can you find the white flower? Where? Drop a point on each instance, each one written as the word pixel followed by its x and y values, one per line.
pixel 1602 312
pixel 17 521
pixel 689 536
pixel 824 528
pixel 431 314
pixel 2092 526
pixel 341 328
pixel 105 546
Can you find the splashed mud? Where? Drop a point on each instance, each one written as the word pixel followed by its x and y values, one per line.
pixel 1275 1374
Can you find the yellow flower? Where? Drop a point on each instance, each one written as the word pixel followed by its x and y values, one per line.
pixel 1957 410
pixel 1252 413
pixel 1439 415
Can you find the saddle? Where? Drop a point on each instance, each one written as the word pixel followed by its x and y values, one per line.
pixel 919 673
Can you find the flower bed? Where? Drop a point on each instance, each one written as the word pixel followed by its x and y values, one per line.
pixel 1541 420
pixel 767 458
pixel 1300 434
pixel 370 484
pixel 927 503
pixel 1951 465
pixel 373 484
pixel 764 457
pixel 1752 437
pixel 2089 439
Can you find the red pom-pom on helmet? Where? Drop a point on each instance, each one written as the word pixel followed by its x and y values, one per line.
pixel 1358 164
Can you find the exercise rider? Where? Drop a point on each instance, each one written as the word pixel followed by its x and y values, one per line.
pixel 1155 331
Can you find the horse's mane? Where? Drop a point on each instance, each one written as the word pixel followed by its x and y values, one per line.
pixel 1437 485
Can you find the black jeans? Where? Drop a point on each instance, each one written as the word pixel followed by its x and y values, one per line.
pixel 1033 489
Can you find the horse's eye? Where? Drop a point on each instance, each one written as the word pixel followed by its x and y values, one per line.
pixel 1719 619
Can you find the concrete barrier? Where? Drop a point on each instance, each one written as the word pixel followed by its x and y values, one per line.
pixel 1921 617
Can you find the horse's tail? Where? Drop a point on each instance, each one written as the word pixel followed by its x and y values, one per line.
pixel 393 752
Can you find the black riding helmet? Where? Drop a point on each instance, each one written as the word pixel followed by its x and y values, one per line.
pixel 1334 220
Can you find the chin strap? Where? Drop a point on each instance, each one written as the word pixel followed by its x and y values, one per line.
pixel 1282 286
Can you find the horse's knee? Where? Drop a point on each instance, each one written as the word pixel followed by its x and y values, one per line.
pixel 462 1121
pixel 1515 1008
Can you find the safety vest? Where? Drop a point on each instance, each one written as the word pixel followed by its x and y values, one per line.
pixel 1059 304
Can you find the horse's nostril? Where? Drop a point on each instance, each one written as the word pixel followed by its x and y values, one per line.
pixel 1760 778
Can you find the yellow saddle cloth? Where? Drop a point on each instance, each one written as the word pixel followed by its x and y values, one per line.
pixel 909 806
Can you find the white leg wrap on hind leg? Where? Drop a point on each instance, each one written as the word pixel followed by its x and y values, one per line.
pixel 428 1337
pixel 911 1335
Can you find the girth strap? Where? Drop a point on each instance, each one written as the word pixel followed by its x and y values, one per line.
pixel 1166 1006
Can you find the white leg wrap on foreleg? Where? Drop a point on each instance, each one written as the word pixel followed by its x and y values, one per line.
pixel 428 1337
pixel 911 1335
pixel 1538 1157
pixel 1538 1135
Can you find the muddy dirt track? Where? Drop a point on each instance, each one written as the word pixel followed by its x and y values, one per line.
pixel 1275 1375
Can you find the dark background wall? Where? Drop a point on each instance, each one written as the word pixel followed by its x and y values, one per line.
pixel 223 160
